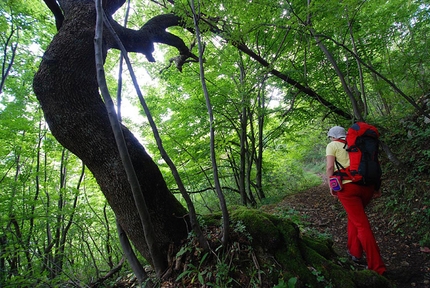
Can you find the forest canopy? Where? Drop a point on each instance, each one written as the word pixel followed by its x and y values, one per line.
pixel 142 116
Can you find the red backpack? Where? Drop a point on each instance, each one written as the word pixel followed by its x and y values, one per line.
pixel 363 147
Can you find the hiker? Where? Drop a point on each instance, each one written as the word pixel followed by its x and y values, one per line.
pixel 354 199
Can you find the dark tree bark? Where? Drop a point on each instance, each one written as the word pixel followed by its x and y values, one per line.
pixel 66 87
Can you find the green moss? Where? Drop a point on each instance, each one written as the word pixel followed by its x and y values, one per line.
pixel 290 256
pixel 283 253
pixel 329 273
pixel 293 265
pixel 213 219
pixel 323 247
pixel 370 279
pixel 342 278
pixel 258 224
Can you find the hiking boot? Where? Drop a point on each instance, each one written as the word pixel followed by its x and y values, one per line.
pixel 359 261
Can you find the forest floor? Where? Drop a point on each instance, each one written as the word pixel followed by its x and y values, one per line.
pixel 402 254
pixel 318 213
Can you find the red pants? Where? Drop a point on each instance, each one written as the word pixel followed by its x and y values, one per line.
pixel 354 199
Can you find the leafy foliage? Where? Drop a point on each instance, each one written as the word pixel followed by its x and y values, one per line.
pixel 54 223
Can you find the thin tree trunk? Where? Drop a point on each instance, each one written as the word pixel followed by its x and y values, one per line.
pixel 154 251
pixel 243 136
pixel 47 249
pixel 36 193
pixel 391 156
pixel 131 258
pixel 259 158
pixel 360 73
pixel 225 215
pixel 3 242
pixel 192 213
pixel 7 66
pixel 357 113
pixel 242 156
pixel 66 225
pixel 108 242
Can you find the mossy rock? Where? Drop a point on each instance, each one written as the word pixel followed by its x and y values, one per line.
pixel 263 231
pixel 312 261
pixel 370 279
pixel 289 259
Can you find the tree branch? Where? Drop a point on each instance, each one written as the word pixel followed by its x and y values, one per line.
pixel 308 91
pixel 56 10
pixel 116 269
pixel 392 84
pixel 6 67
pixel 142 40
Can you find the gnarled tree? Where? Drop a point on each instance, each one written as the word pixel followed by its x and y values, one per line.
pixel 67 89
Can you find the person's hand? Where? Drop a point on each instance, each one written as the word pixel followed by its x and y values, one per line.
pixel 333 193
pixel 377 194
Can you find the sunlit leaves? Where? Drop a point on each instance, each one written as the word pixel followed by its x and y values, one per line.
pixel 391 37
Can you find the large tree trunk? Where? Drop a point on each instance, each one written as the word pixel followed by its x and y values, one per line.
pixel 67 89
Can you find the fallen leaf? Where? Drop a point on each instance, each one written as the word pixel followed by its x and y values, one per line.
pixel 425 249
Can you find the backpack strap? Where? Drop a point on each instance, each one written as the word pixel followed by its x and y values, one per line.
pixel 341 171
pixel 338 165
pixel 342 141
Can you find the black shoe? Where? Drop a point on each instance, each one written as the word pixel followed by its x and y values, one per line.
pixel 359 261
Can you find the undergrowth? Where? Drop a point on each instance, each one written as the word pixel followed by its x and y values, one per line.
pixel 406 184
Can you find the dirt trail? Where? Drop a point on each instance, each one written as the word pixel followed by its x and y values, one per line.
pixel 400 251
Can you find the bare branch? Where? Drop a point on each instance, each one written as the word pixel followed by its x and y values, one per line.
pixel 7 66
pixel 56 10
